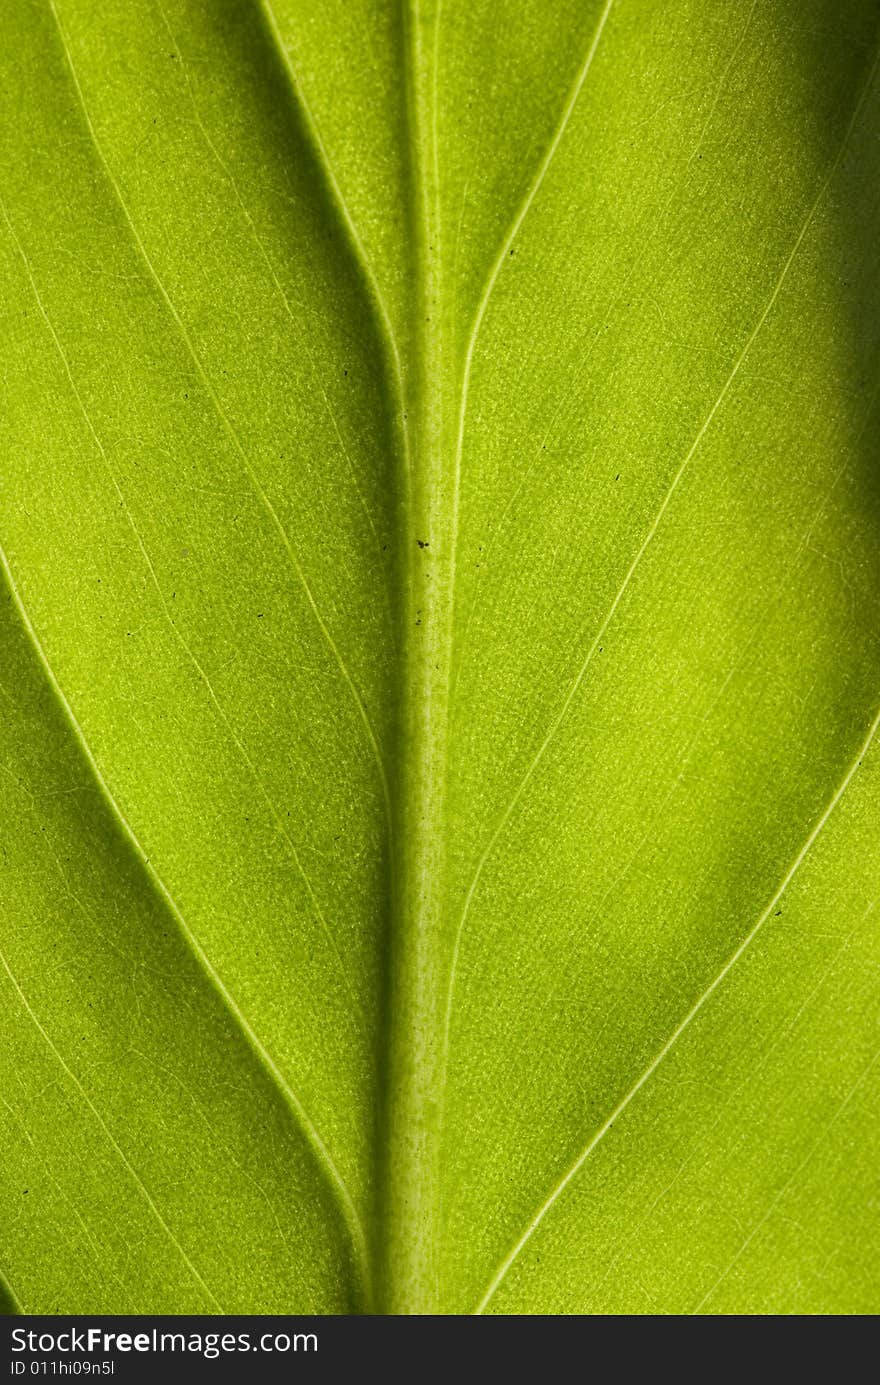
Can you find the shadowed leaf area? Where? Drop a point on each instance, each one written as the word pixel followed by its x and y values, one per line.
pixel 439 656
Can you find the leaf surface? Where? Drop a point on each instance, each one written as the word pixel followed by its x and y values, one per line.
pixel 440 656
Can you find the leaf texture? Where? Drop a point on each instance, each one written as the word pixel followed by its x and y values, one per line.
pixel 440 662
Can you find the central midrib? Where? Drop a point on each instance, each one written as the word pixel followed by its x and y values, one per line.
pixel 409 1220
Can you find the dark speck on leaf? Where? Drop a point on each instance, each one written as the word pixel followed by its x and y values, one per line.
pixel 259 615
pixel 778 912
pixel 423 543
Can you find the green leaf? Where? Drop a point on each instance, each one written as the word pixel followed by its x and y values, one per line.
pixel 440 656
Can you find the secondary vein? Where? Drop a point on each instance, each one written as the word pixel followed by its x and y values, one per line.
pixel 680 1028
pixel 233 734
pixel 561 715
pixel 387 329
pixel 319 1149
pixel 102 1124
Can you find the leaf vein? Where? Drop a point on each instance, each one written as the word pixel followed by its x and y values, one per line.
pixel 646 542
pixel 319 1149
pixel 501 259
pixel 236 739
pixel 303 337
pixel 222 415
pixel 361 257
pixel 692 1013
pixel 135 1176
pixel 815 1146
